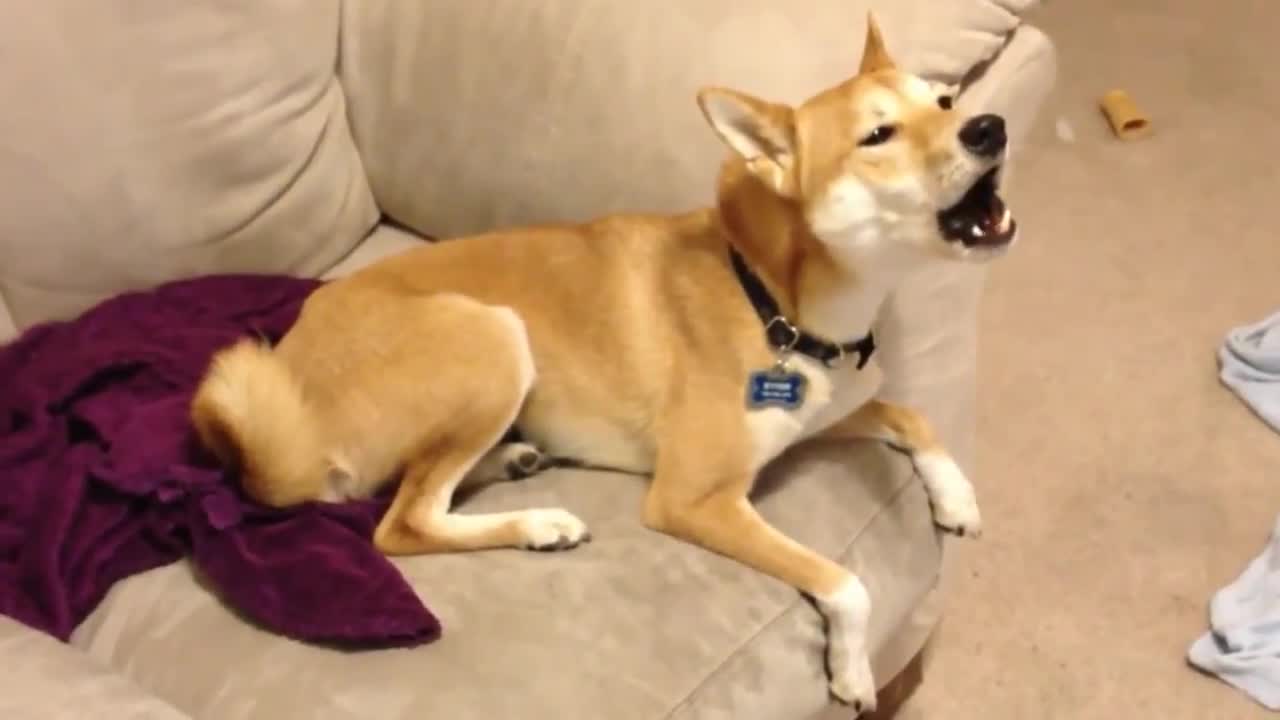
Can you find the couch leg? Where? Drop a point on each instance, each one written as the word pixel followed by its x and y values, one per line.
pixel 900 689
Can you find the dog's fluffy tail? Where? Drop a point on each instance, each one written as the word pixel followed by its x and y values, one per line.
pixel 249 410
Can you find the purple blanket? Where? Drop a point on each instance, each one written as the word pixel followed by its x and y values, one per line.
pixel 100 477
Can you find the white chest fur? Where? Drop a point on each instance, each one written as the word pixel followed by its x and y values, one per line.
pixel 831 394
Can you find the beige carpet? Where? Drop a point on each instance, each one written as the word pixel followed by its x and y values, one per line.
pixel 1121 483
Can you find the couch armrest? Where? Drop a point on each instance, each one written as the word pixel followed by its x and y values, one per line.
pixel 489 113
pixel 44 679
pixel 928 332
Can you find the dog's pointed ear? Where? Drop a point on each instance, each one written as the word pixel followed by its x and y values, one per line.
pixel 762 132
pixel 874 55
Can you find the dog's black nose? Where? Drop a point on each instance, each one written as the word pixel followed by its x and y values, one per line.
pixel 984 135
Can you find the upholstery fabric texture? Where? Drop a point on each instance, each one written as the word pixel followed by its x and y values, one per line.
pixel 8 329
pixel 47 680
pixel 175 139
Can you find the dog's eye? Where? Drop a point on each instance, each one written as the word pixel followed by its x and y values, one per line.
pixel 945 102
pixel 880 135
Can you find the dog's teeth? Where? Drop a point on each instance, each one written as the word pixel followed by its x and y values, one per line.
pixel 1005 220
pixel 976 231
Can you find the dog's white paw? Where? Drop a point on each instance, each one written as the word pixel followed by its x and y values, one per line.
pixel 955 504
pixel 552 529
pixel 854 686
pixel 959 515
pixel 848 612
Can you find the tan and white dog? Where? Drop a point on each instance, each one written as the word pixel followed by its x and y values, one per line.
pixel 694 348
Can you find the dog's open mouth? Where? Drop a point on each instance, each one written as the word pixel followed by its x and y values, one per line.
pixel 980 219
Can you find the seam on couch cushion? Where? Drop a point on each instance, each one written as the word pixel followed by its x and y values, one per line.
pixel 843 557
pixel 49 679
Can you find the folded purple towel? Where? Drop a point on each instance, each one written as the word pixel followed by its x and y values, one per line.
pixel 100 477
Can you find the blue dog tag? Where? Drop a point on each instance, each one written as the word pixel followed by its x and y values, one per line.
pixel 776 387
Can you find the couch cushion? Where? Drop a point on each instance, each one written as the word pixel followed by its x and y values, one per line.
pixel 497 112
pixel 384 241
pixel 46 680
pixel 632 626
pixel 8 329
pixel 146 140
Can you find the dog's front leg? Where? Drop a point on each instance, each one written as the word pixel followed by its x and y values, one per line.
pixel 700 496
pixel 955 504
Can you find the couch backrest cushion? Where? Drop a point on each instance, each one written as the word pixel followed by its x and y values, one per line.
pixel 145 140
pixel 495 112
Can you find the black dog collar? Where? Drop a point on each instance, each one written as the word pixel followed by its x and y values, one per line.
pixel 786 337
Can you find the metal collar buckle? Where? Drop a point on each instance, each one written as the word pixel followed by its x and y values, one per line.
pixel 832 362
pixel 785 324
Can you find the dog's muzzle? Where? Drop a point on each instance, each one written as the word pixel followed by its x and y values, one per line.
pixel 980 218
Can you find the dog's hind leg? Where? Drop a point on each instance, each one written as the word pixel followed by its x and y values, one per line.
pixel 480 408
pixel 420 520
pixel 508 461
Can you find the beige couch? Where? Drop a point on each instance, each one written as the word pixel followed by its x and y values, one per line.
pixel 144 141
